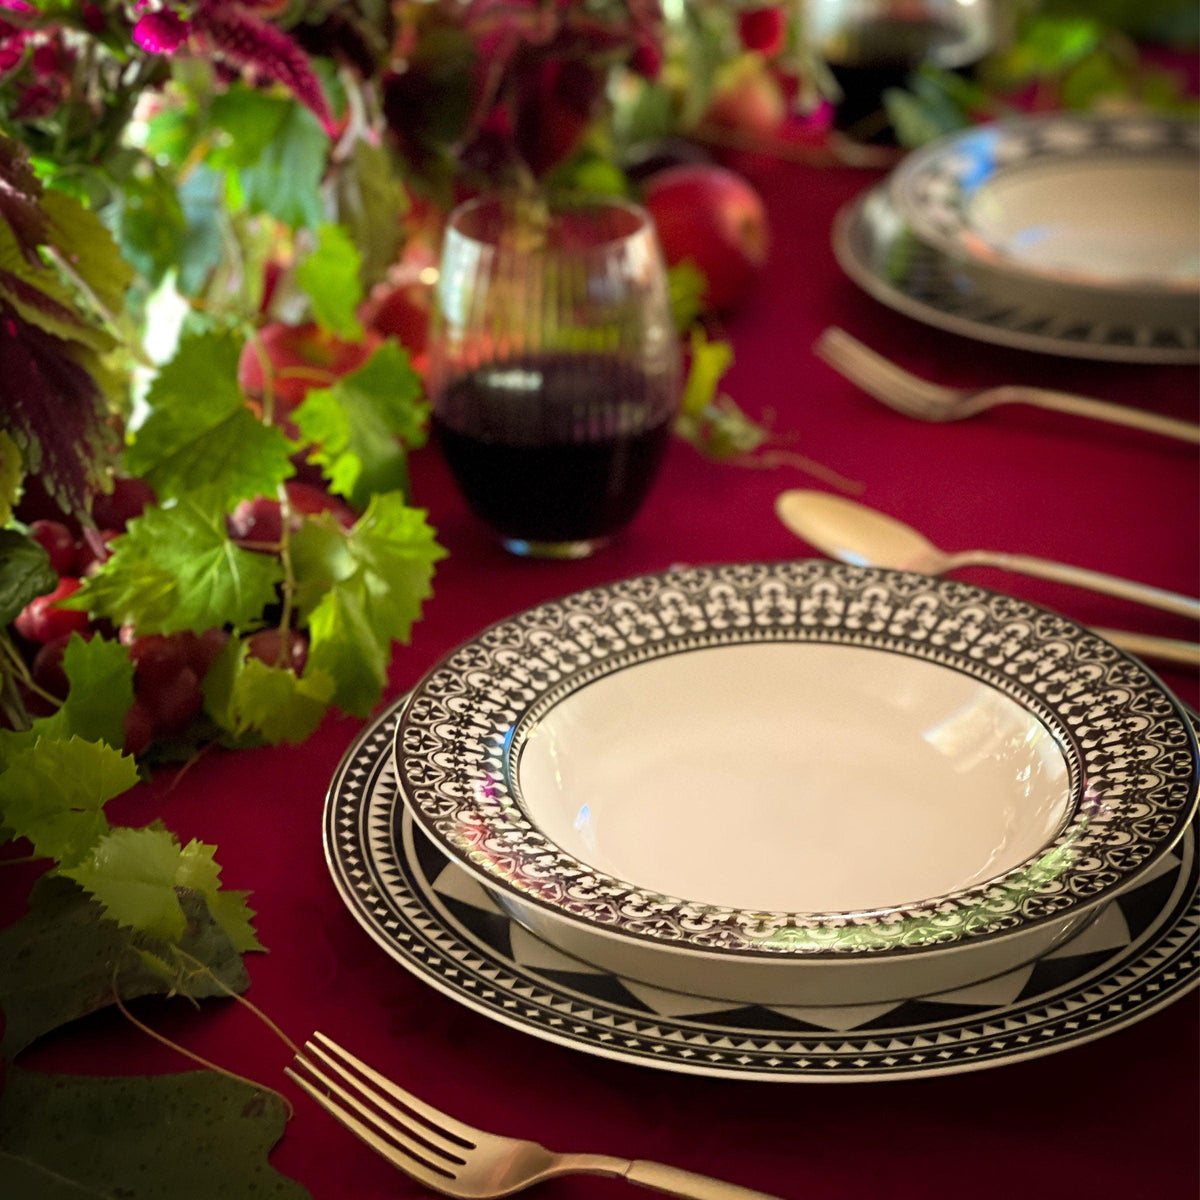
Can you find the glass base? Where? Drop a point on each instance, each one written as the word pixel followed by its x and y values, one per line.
pixel 579 549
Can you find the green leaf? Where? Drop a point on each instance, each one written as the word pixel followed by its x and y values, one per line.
pixel 199 432
pixel 330 276
pixel 100 675
pixel 60 961
pixel 361 589
pixel 285 177
pixel 201 198
pixel 12 473
pixel 136 874
pixel 85 243
pixel 250 119
pixel 150 226
pixel 710 361
pixel 247 696
pixel 685 288
pixel 25 573
pixel 190 1136
pixel 358 425
pixel 53 793
pixel 370 202
pixel 176 569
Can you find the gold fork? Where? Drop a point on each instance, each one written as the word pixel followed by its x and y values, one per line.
pixel 457 1159
pixel 916 397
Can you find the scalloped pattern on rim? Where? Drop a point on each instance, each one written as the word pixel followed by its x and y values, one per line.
pixel 1132 752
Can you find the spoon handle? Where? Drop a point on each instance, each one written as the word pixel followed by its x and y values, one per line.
pixel 1156 649
pixel 1096 581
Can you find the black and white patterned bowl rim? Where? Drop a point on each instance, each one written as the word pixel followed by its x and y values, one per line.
pixel 1141 953
pixel 1131 753
pixel 933 187
pixel 890 263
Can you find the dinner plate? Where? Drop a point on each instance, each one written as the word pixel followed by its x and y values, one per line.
pixel 797 782
pixel 1097 206
pixel 879 252
pixel 1140 954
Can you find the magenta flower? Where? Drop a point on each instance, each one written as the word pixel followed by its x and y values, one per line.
pixel 160 32
pixel 236 37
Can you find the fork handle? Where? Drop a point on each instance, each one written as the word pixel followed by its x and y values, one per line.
pixel 1096 581
pixel 677 1182
pixel 1099 410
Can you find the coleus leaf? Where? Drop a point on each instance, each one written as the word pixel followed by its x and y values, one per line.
pixel 62 959
pixel 199 432
pixel 361 589
pixel 135 875
pixel 188 1136
pixel 53 792
pixel 25 573
pixel 358 425
pixel 330 277
pixel 87 247
pixel 11 475
pixel 176 569
pixel 20 199
pixel 247 696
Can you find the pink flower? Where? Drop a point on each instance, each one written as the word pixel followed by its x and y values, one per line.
pixel 160 32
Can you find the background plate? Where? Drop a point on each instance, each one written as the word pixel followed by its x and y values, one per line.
pixel 1140 954
pixel 878 253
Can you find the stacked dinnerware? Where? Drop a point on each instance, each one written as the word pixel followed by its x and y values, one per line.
pixel 797 783
pixel 1065 233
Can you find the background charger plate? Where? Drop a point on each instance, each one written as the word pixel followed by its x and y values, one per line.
pixel 1141 953
pixel 880 254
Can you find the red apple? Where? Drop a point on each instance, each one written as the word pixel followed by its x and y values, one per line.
pixel 763 29
pixel 713 218
pixel 748 99
pixel 401 310
pixel 301 357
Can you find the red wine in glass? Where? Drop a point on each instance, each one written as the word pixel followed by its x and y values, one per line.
pixel 555 449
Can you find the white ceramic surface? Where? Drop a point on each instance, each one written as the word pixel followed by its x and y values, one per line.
pixel 827 778
pixel 1104 220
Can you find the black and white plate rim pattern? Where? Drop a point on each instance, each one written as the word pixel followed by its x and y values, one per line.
pixel 1130 750
pixel 374 852
pixel 932 289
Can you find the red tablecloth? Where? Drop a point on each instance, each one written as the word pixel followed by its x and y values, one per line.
pixel 1116 1118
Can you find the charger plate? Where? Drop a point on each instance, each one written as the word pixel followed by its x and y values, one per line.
pixel 1141 953
pixel 879 252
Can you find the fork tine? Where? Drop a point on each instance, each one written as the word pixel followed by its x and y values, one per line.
pixel 440 1122
pixel 879 377
pixel 415 1126
pixel 419 1170
pixel 410 1140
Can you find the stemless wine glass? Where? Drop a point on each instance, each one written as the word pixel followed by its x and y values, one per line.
pixel 554 367
pixel 869 46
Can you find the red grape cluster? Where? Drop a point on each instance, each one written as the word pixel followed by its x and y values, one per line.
pixel 169 669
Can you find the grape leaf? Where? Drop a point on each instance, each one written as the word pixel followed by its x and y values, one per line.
pixel 100 675
pixel 60 961
pixel 188 1136
pixel 370 202
pixel 685 288
pixel 358 424
pixel 11 476
pixel 284 179
pixel 25 573
pixel 361 589
pixel 176 569
pixel 245 695
pixel 53 792
pixel 135 875
pixel 199 432
pixel 330 276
